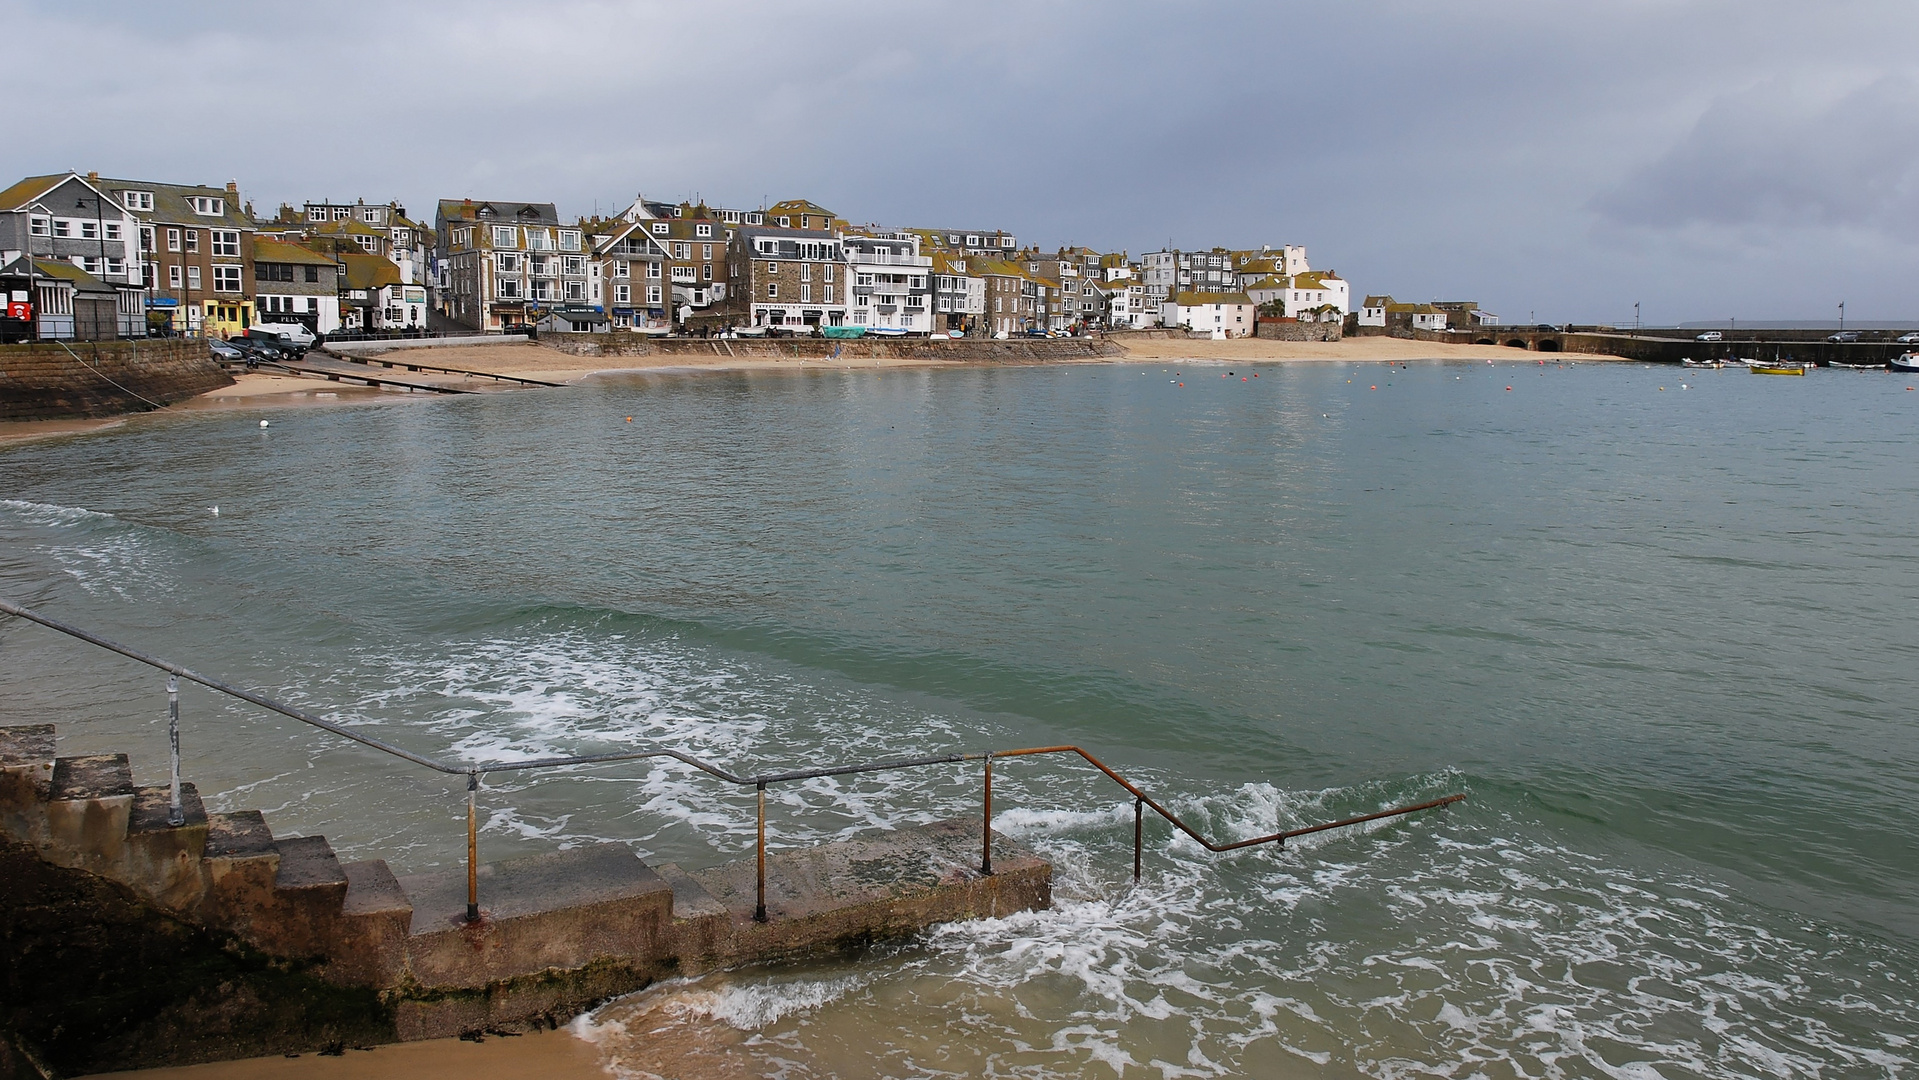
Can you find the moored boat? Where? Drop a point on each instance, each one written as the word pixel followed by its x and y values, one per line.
pixel 1906 362
pixel 843 331
pixel 1776 368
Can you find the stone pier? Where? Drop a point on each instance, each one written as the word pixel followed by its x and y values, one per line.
pixel 558 932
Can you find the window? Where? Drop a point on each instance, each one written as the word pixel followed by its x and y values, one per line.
pixel 1006 241
pixel 370 214
pixel 652 269
pixel 806 271
pixel 39 226
pixel 706 272
pixel 146 238
pixel 113 230
pixel 622 268
pixel 806 294
pixel 193 239
pixel 569 240
pixel 369 244
pixel 622 294
pixel 829 294
pixel 785 222
pixel 138 200
pixel 659 228
pixel 116 266
pixel 772 290
pixel 576 290
pixel 193 277
pixel 682 250
pixel 829 271
pixel 209 207
pixel 652 294
pixel 573 266
pixel 509 288
pixel 173 277
pixel 539 240
pixel 89 230
pixel 503 236
pixel 62 227
pixel 316 213
pixel 313 275
pixel 706 251
pixel 703 230
pixel 506 262
pixel 226 279
pixel 772 268
pixel 226 242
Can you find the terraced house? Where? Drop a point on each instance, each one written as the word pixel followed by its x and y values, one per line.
pixel 892 284
pixel 628 273
pixel 692 239
pixel 197 243
pixel 296 285
pixel 76 249
pixel 788 277
pixel 504 265
pixel 1012 296
pixel 959 297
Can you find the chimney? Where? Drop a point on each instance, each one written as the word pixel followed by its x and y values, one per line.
pixel 233 187
pixel 93 177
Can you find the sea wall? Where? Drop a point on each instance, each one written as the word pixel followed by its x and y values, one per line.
pixel 1294 330
pixel 46 380
pixel 1017 350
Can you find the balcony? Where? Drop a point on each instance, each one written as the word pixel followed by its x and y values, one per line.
pixel 877 259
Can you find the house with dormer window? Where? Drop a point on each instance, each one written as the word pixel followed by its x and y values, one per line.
pixel 503 265
pixel 627 271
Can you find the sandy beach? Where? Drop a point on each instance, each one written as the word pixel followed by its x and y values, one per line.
pixel 253 390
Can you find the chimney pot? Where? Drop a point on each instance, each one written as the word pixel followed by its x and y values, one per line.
pixel 233 187
pixel 93 177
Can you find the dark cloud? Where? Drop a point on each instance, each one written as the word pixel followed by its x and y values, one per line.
pixel 1563 159
pixel 1782 154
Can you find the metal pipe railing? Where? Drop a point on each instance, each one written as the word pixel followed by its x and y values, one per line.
pixel 474 771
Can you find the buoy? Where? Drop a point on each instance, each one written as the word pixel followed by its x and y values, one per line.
pixel 263 423
pixel 1373 387
pixel 1509 388
pixel 629 419
pixel 1242 378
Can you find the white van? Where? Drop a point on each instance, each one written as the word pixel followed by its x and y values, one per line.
pixel 293 333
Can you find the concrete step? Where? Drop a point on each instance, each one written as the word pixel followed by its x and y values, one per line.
pixel 690 898
pixel 26 781
pixel 240 863
pixel 310 869
pixel 370 947
pixel 163 861
pixel 89 803
pixel 592 905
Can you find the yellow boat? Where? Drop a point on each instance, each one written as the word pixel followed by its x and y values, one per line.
pixel 1774 369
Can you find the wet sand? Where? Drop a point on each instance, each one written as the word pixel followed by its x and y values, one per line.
pixel 542 1055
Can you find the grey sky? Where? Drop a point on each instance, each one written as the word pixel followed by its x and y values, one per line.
pixel 1716 158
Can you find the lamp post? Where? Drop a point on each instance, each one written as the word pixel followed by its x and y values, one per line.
pixel 1842 316
pixel 1635 318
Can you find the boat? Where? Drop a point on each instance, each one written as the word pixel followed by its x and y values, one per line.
pixel 1906 362
pixel 749 331
pixel 843 331
pixel 1776 368
pixel 1701 363
pixel 886 331
pixel 1856 363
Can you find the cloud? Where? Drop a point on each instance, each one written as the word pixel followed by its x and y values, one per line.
pixel 1779 155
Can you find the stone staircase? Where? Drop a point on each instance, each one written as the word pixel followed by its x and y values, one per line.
pixel 558 932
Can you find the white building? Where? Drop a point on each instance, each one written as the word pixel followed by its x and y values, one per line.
pixel 1223 315
pixel 1130 308
pixel 892 282
pixel 1318 296
pixel 1373 311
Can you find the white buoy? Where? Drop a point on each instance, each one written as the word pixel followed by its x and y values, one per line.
pixel 263 423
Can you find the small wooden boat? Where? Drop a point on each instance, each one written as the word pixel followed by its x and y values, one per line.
pixel 1777 369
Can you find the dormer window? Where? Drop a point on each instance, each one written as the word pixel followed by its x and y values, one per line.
pixel 370 215
pixel 207 206
pixel 785 222
pixel 316 213
pixel 569 240
pixel 702 230
pixel 138 200
pixel 659 228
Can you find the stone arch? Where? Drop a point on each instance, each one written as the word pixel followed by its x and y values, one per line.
pixel 1485 341
pixel 1516 343
pixel 1547 344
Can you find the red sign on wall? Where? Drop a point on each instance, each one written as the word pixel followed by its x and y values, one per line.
pixel 18 309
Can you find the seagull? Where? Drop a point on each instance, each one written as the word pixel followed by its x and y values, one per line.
pixel 214 510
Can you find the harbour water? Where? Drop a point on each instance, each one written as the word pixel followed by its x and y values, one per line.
pixel 1660 626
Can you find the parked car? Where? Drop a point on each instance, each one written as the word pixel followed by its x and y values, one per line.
pixel 1711 335
pixel 267 337
pixel 259 349
pixel 1908 339
pixel 1844 335
pixel 225 353
pixel 293 333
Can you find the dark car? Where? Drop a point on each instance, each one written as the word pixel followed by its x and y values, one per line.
pixel 259 350
pixel 1548 327
pixel 225 353
pixel 273 340
pixel 1844 336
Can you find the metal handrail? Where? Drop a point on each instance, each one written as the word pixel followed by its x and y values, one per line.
pixel 473 771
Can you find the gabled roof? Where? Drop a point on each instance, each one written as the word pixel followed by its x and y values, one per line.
pixel 26 191
pixel 799 206
pixel 368 271
pixel 1314 279
pixel 268 250
pixel 602 237
pixel 504 213
pixel 60 271
pixel 171 205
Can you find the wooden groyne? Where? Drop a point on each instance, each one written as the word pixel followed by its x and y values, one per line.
pixel 96 877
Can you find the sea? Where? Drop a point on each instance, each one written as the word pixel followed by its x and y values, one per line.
pixel 1659 626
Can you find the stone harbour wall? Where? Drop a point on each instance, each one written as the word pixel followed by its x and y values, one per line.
pixel 45 380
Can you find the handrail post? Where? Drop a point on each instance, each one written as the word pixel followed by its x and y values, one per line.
pixel 986 829
pixel 472 848
pixel 759 903
pixel 1139 826
pixel 176 814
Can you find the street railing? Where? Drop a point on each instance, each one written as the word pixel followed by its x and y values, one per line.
pixel 473 771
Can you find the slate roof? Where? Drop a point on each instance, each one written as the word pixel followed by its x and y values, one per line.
pixel 170 203
pixel 506 213
pixel 368 271
pixel 267 250
pixel 1201 299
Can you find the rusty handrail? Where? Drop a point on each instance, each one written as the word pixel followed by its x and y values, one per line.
pixel 474 771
